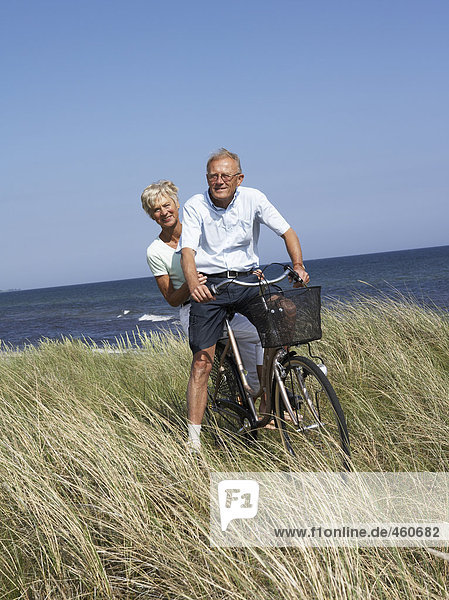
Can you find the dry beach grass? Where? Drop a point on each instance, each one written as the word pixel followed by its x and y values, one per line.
pixel 99 499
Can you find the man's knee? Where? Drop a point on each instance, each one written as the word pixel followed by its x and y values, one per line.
pixel 202 365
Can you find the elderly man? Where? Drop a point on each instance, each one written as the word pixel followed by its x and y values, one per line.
pixel 219 238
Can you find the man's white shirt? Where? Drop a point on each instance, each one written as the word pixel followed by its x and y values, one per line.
pixel 226 239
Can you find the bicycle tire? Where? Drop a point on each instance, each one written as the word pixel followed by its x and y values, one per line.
pixel 227 412
pixel 321 420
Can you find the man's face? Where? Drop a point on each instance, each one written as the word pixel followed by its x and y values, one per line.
pixel 219 189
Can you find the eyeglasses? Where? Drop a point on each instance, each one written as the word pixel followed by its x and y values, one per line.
pixel 225 177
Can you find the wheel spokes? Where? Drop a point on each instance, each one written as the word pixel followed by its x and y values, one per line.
pixel 317 410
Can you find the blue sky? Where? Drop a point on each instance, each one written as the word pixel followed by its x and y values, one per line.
pixel 337 108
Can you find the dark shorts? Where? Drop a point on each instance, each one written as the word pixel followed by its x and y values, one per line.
pixel 207 318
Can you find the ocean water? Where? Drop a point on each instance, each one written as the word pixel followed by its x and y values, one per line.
pixel 108 310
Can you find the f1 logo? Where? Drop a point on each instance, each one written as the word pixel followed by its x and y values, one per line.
pixel 237 499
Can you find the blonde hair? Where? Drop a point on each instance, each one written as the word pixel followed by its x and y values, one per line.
pixel 153 194
pixel 223 153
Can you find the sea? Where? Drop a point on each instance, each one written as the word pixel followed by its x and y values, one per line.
pixel 102 313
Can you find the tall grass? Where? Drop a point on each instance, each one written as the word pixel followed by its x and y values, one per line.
pixel 99 498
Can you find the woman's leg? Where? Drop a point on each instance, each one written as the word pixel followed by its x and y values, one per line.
pixel 250 348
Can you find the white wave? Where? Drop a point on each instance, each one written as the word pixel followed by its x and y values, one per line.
pixel 124 312
pixel 155 318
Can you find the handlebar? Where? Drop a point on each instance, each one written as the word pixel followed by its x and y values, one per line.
pixel 288 271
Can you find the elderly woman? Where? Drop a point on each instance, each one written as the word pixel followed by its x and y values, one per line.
pixel 160 202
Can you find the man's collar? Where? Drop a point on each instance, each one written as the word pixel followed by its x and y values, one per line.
pixel 211 202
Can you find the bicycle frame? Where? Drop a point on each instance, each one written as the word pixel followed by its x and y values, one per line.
pixel 249 392
pixel 271 367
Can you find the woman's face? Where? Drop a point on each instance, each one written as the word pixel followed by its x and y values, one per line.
pixel 166 213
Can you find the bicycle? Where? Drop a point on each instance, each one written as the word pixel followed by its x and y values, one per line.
pixel 298 395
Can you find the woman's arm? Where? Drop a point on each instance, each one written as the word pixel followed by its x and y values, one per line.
pixel 173 297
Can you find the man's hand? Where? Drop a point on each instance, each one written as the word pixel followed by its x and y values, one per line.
pixel 201 293
pixel 299 268
pixel 195 281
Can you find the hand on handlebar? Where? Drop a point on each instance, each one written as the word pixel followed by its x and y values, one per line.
pixel 303 275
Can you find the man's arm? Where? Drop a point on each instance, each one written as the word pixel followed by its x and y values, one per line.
pixel 294 251
pixel 271 217
pixel 198 291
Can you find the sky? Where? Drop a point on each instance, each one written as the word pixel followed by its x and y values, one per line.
pixel 338 110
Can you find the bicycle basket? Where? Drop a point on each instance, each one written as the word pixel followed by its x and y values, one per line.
pixel 287 317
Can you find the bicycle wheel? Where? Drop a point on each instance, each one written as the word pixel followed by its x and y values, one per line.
pixel 316 408
pixel 227 412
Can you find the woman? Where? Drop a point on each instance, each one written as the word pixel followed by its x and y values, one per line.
pixel 160 202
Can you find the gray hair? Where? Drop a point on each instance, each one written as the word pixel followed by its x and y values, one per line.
pixel 223 153
pixel 155 192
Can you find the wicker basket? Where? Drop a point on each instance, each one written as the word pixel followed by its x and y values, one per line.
pixel 287 317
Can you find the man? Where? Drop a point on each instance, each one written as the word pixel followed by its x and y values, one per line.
pixel 220 235
pixel 160 201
